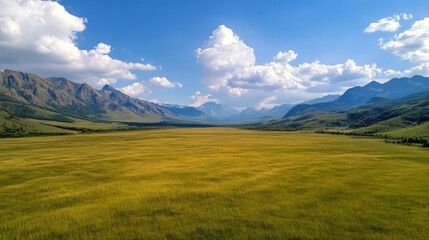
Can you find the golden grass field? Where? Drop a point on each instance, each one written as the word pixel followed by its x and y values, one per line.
pixel 212 183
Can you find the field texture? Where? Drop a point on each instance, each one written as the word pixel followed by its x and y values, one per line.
pixel 212 183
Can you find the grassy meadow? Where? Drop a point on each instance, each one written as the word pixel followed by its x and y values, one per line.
pixel 212 183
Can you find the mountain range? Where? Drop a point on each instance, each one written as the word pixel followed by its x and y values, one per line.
pixel 403 117
pixel 358 96
pixel 373 108
pixel 219 113
pixel 397 109
pixel 69 99
pixel 78 100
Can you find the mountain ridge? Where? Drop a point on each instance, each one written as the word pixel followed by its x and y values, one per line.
pixel 78 100
pixel 399 118
pixel 109 104
pixel 358 96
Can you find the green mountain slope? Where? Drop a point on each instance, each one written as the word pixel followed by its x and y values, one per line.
pixel 358 96
pixel 12 126
pixel 410 110
pixel 18 119
pixel 406 117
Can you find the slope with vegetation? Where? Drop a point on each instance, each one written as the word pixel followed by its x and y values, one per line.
pixel 358 96
pixel 382 110
pixel 33 105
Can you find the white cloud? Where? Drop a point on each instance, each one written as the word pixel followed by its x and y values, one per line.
pixel 421 69
pixel 9 28
pixel 288 56
pixel 143 89
pixel 388 24
pixel 392 73
pixel 102 48
pixel 200 99
pixel 323 77
pixel 412 44
pixel 406 16
pixel 104 81
pixel 223 53
pixel 164 82
pixel 232 75
pixel 134 90
pixel 39 36
pixel 267 102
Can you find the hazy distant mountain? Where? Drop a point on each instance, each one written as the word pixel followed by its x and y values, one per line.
pixel 217 111
pixel 247 114
pixel 186 112
pixel 279 110
pixel 358 96
pixel 327 98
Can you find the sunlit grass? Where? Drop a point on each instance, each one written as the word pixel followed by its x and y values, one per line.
pixel 212 183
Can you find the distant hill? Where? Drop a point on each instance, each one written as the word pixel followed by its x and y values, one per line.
pixel 187 112
pixel 358 96
pixel 407 116
pixel 279 110
pixel 249 114
pixel 407 111
pixel 217 111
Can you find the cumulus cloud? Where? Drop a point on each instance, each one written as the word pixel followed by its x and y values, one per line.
pixel 200 99
pixel 388 24
pixel 134 90
pixel 164 82
pixel 267 102
pixel 223 53
pixel 232 75
pixel 39 36
pixel 144 89
pixel 412 44
pixel 288 56
pixel 420 69
pixel 102 48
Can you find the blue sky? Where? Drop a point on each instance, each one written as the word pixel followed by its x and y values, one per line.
pixel 168 34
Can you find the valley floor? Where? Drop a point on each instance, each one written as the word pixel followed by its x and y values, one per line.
pixel 212 183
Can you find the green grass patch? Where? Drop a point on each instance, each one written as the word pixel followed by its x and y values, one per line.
pixel 83 124
pixel 212 183
pixel 413 131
